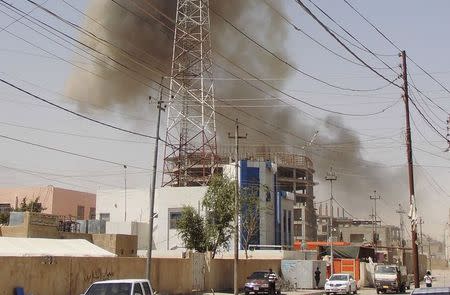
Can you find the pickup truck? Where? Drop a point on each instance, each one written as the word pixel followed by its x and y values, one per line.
pixel 391 277
pixel 120 287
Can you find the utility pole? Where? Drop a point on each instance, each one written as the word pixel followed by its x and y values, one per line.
pixel 446 243
pixel 372 216
pixel 125 190
pixel 421 234
pixel 236 138
pixel 161 108
pixel 429 253
pixel 331 176
pixel 448 134
pixel 375 198
pixel 410 172
pixel 401 212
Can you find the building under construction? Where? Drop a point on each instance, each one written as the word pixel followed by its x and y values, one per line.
pixel 293 178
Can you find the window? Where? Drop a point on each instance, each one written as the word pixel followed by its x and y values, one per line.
pixel 104 216
pixel 356 238
pixel 137 289
pixel 324 228
pixel 92 213
pixel 298 230
pixel 174 216
pixel 146 288
pixel 4 208
pixel 298 214
pixel 80 212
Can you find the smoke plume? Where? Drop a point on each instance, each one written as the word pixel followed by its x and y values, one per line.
pixel 136 27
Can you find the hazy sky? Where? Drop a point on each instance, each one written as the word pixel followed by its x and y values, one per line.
pixel 420 27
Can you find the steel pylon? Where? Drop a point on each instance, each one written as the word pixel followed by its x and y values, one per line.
pixel 191 150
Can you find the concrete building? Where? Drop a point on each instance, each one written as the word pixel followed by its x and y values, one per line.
pixel 131 215
pixel 55 200
pixel 324 223
pixel 295 175
pixel 362 232
pixel 283 183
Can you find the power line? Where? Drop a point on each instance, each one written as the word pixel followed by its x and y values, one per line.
pixel 308 11
pixel 91 35
pixel 426 104
pixel 303 101
pixel 73 112
pixel 297 28
pixel 72 134
pixel 68 152
pixel 398 48
pixel 426 120
pixel 295 68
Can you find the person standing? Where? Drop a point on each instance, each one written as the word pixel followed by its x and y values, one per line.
pixel 272 278
pixel 317 277
pixel 428 279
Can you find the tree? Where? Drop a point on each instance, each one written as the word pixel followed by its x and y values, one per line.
pixel 4 218
pixel 250 205
pixel 213 231
pixel 31 206
pixel 191 229
pixel 219 207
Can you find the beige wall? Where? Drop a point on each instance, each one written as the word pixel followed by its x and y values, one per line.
pixel 122 245
pixel 45 194
pixel 72 275
pixel 55 200
pixel 66 202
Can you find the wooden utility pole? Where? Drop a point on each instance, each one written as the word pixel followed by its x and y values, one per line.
pixel 410 171
pixel 236 138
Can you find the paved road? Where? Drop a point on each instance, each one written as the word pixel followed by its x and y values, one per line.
pixel 441 279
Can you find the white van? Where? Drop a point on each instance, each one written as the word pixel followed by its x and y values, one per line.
pixel 120 287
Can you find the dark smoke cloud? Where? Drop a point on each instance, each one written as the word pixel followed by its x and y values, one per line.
pixel 151 42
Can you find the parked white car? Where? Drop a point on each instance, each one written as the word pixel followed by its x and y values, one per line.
pixel 120 287
pixel 341 284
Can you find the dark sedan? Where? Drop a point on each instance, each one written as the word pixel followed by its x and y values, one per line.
pixel 258 283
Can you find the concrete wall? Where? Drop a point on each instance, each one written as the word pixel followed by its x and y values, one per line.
pixel 55 200
pixel 35 225
pixel 300 273
pixel 122 245
pixel 70 275
pixel 139 229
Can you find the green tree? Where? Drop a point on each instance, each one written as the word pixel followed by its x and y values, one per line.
pixel 191 229
pixel 250 205
pixel 31 206
pixel 219 207
pixel 4 218
pixel 213 231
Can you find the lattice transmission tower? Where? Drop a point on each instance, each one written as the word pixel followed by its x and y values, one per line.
pixel 190 155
